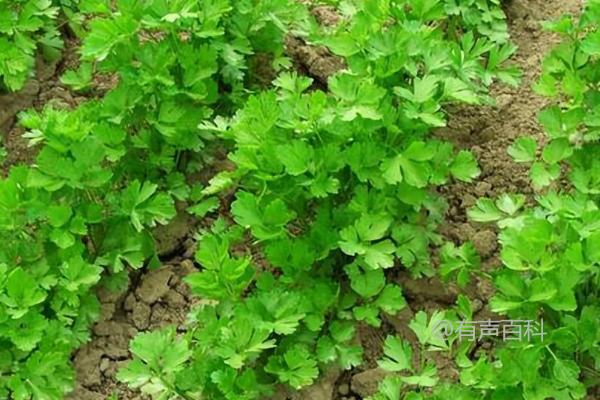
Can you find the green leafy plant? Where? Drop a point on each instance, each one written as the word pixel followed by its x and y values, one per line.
pixel 330 226
pixel 26 26
pixel 404 379
pixel 487 17
pixel 462 261
pixel 178 63
pixel 159 358
pixel 109 171
pixel 332 189
pixel 550 250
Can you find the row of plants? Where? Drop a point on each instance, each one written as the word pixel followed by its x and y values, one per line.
pixel 110 170
pixel 334 188
pixel 550 251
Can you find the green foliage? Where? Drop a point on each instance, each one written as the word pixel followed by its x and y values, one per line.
pixel 503 210
pixel 550 250
pixel 462 260
pixel 426 329
pixel 569 75
pixel 80 79
pixel 332 189
pixel 398 355
pixel 523 149
pixel 405 381
pixel 178 63
pixel 415 58
pixel 26 26
pixel 551 272
pixel 329 226
pixel 109 171
pixel 159 358
pixel 47 272
pixel 223 276
pixel 296 367
pixel 486 17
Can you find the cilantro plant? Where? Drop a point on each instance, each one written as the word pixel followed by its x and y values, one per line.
pixel 415 56
pixel 178 63
pixel 26 26
pixel 109 171
pixel 334 189
pixel 484 16
pixel 550 252
pixel 60 232
pixel 462 260
pixel 397 360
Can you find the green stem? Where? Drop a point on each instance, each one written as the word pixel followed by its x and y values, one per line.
pixel 551 353
pixel 174 390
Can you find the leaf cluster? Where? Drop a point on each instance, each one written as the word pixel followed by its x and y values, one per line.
pixel 109 171
pixel 26 26
pixel 333 188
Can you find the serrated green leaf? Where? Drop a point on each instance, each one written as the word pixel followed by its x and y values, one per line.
pixel 459 90
pixel 204 207
pixel 296 157
pixel 58 215
pixel 397 355
pixel 510 203
pixel 464 166
pixel 542 175
pixel 485 211
pixel 557 150
pixel 523 149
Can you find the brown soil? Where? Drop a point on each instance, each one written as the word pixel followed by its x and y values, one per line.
pixel 152 300
pixel 43 90
pixel 489 131
pixel 316 62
